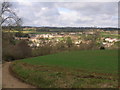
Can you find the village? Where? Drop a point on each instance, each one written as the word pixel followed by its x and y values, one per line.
pixel 36 40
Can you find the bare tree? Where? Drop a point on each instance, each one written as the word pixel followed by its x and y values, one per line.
pixel 9 19
pixel 8 16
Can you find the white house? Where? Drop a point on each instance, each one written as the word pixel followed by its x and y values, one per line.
pixel 111 40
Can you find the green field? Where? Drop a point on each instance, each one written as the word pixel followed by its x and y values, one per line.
pixel 40 32
pixel 70 69
pixel 110 36
pixel 105 61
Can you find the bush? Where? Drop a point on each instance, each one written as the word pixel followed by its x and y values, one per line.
pixel 22 50
pixel 42 50
pixel 19 51
pixel 102 48
pixel 69 42
pixel 7 53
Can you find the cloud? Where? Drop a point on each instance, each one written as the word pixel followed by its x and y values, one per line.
pixel 103 14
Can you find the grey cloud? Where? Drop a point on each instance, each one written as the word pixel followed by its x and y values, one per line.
pixel 87 14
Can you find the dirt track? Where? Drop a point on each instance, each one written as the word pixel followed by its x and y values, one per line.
pixel 9 81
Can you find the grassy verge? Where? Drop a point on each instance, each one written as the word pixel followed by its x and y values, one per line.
pixel 56 77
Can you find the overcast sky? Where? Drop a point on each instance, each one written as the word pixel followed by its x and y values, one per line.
pixel 100 14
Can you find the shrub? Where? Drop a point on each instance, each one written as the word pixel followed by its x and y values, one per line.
pixel 102 48
pixel 42 50
pixel 7 53
pixel 22 50
pixel 69 42
pixel 19 51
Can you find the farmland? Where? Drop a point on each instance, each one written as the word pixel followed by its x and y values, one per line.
pixel 75 69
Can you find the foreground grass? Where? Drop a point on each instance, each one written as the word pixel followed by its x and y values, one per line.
pixel 70 70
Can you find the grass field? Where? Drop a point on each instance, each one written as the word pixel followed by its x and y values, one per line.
pixel 110 36
pixel 97 68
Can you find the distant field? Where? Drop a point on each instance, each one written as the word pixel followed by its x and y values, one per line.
pixel 110 36
pixel 103 34
pixel 40 32
pixel 28 32
pixel 70 69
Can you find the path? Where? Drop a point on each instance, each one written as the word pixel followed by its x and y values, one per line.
pixel 9 81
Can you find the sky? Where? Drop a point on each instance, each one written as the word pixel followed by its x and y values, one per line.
pixel 68 14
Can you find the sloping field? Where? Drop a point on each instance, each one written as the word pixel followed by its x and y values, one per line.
pixel 97 68
pixel 100 60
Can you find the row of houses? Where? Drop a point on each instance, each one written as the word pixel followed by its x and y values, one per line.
pixel 112 40
pixel 108 42
pixel 37 39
